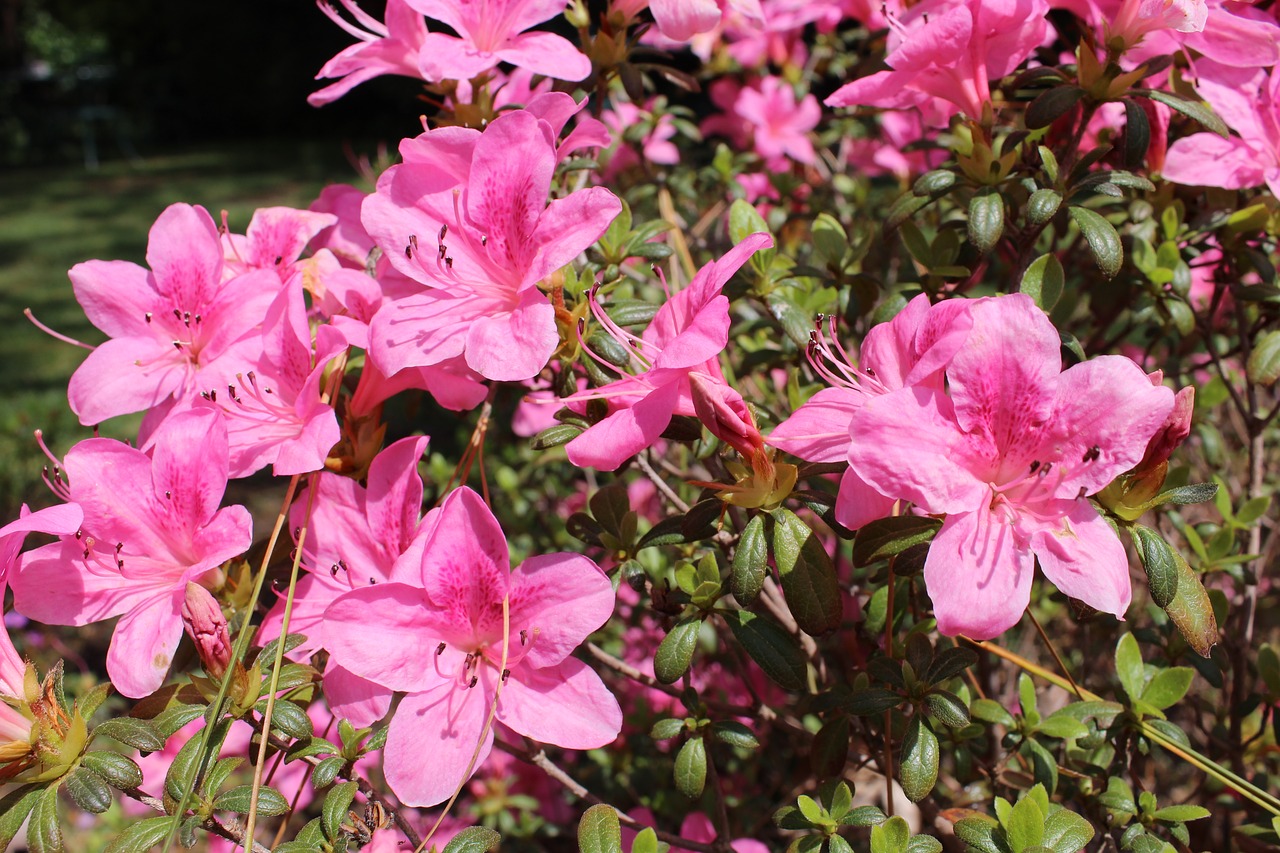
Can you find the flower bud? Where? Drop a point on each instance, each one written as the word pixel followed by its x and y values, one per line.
pixel 207 627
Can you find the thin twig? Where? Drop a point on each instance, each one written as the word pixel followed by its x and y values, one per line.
pixel 1053 651
pixel 229 828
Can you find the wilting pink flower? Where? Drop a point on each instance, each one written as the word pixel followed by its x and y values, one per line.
pixel 1009 457
pixel 1248 100
pixel 170 328
pixel 952 51
pixel 436 631
pixel 467 216
pixel 493 31
pixel 355 534
pixel 390 48
pixel 151 524
pixel 780 124
pixel 687 335
pixel 913 349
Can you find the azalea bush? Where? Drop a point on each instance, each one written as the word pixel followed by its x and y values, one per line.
pixel 666 440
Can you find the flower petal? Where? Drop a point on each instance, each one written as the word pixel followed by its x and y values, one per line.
pixel 1085 559
pixel 978 576
pixel 566 705
pixel 431 740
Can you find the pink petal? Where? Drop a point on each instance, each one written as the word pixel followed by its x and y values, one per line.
pixel 126 375
pixel 626 432
pixel 189 466
pixel 466 568
pixel 394 649
pixel 394 498
pixel 143 644
pixel 431 740
pixel 354 698
pixel 566 705
pixel 1208 160
pixel 977 575
pixel 1084 558
pixel 547 54
pixel 818 431
pixel 681 20
pixel 185 255
pixel 569 224
pixel 115 295
pixel 858 503
pixel 559 599
pixel 514 346
pixel 44 589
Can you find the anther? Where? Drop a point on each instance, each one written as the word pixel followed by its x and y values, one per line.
pixel 279 260
pixel 148 316
pixel 168 495
pixel 484 241
pixel 524 637
pixel 444 229
pixel 177 345
pixel 506 673
pixel 440 649
pixel 1092 454
pixel 1083 491
pixel 474 679
pixel 333 570
pixel 1035 463
pixel 372 580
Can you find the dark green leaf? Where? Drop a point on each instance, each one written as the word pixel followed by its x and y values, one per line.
pixel 668 531
pixel 289 719
pixel 140 837
pixel 43 833
pixel 979 832
pixel 949 663
pixel 1102 238
pixel 1042 206
pixel 675 653
pixel 1137 134
pixel 1196 110
pixel 171 719
pixel 1051 105
pixel 268 654
pixel 14 808
pixel 139 734
pixel 117 770
pixel 1264 362
pixel 1043 281
pixel 610 505
pixel 691 768
pixel 554 436
pixel 947 708
pixel 89 790
pixel 1062 725
pixel 863 816
pixel 986 220
pixel 871 701
pixel 919 763
pixel 474 839
pixel 270 801
pixel 334 809
pixel 632 312
pixel 1043 765
pixel 1192 611
pixel 327 770
pixel 750 562
pixel 774 650
pixel 1158 562
pixel 924 844
pixel 887 537
pixel 734 734
pixel 934 183
pixel 1192 494
pixel 808 576
pixel 903 209
pixel 830 750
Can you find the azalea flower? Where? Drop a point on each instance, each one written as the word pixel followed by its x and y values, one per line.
pixel 275 240
pixel 686 336
pixel 355 534
pixel 436 631
pixel 1010 457
pixel 466 215
pixel 170 328
pixel 913 349
pixel 780 123
pixel 493 31
pixel 951 51
pixel 390 48
pixel 681 20
pixel 151 524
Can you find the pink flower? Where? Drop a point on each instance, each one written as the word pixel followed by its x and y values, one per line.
pixel 467 216
pixel 1009 457
pixel 1248 100
pixel 275 240
pixel 390 48
pixel 681 20
pixel 913 349
pixel 493 31
pixel 436 632
pixel 207 627
pixel 169 328
pixel 151 524
pixel 781 124
pixel 952 51
pixel 354 537
pixel 687 335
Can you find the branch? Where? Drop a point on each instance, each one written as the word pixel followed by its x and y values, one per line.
pixel 230 829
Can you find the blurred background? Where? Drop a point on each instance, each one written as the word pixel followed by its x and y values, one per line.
pixel 112 110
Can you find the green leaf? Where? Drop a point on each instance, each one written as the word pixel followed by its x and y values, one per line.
pixel 808 576
pixel 837 844
pixel 924 844
pixel 889 537
pixel 986 220
pixel 1129 666
pixel 949 663
pixel 1051 105
pixel 919 762
pixel 171 719
pixel 675 653
pixel 140 837
pixel 947 708
pixel 268 654
pixel 1158 562
pixel 734 734
pixel 1192 611
pixel 1118 796
pixel 1197 110
pixel 14 808
pixel 1043 281
pixel 903 209
pixel 1182 495
pixel 1027 695
pixel 270 801
pixel 979 832
pixel 1062 725
pixel 89 790
pixel 323 774
pixel 646 841
pixel 1025 825
pixel 830 240
pixel 117 770
pixel 811 810
pixel 667 729
pixel 1102 238
pixel 750 562
pixel 691 768
pixel 991 711
pixel 830 751
pixel 289 719
pixel 892 836
pixel 1050 163
pixel 1253 509
pixel 1067 832
pixel 870 701
pixel 841 800
pixel 932 184
pixel 1168 686
pixel 139 734
pixel 863 816
pixel 333 811
pixel 774 650
pixel 43 833
pixel 1044 767
pixel 745 220
pixel 478 839
pixel 1137 134
pixel 1181 813
pixel 1264 362
pixel 610 506
pixel 219 773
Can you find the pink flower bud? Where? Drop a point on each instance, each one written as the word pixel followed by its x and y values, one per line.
pixel 207 627
pixel 724 413
pixel 1172 432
